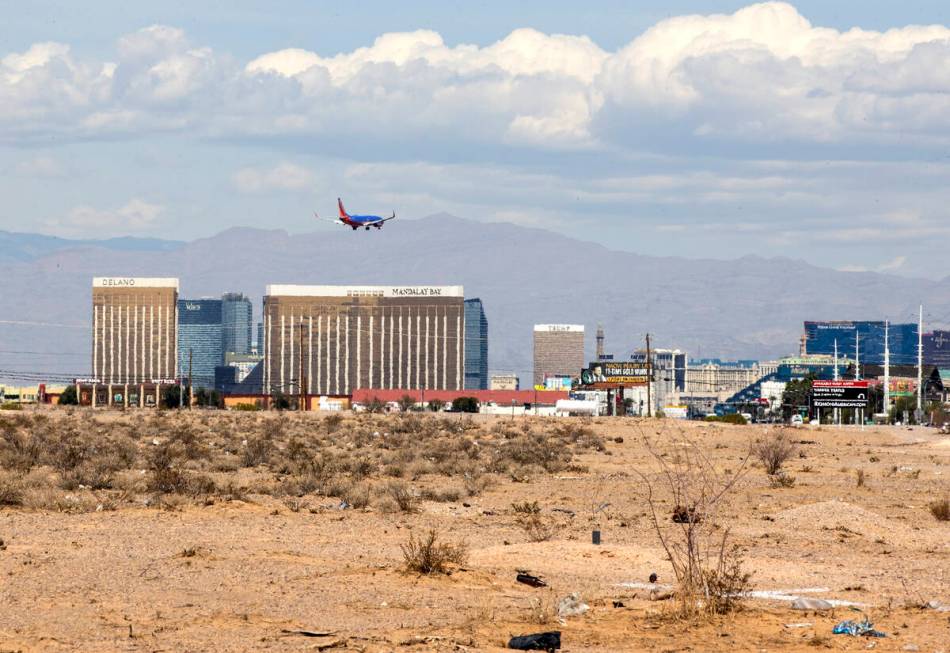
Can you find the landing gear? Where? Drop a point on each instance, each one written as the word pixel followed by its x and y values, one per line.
pixel 367 228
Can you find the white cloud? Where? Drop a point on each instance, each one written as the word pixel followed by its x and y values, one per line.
pixel 45 167
pixel 135 216
pixel 763 74
pixel 285 176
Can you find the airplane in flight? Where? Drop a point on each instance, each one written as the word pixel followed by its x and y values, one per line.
pixel 357 221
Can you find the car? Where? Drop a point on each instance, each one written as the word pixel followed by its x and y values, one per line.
pixel 747 417
pixel 797 420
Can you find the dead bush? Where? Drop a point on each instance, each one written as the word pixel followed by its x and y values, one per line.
pixel 401 494
pixel 781 480
pixel 536 527
pixel 526 508
pixel 940 509
pixel 860 478
pixel 445 495
pixel 707 567
pixel 774 451
pixel 11 489
pixel 18 449
pixel 257 450
pixel 164 463
pixel 427 555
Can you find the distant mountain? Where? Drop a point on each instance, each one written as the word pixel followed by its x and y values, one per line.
pixel 750 307
pixel 28 247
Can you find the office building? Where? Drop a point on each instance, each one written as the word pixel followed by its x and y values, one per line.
pixel 134 329
pixel 476 346
pixel 820 338
pixel 334 339
pixel 236 323
pixel 725 378
pixel 259 343
pixel 200 340
pixel 669 372
pixel 558 351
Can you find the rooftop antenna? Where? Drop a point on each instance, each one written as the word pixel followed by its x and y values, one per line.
pixel 920 364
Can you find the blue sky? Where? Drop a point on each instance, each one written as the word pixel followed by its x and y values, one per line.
pixel 687 128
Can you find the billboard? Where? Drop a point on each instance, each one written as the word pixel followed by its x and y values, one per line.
pixel 617 373
pixel 839 394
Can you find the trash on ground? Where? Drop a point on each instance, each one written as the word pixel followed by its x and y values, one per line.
pixel 653 577
pixel 528 579
pixel 571 606
pixel 684 515
pixel 937 605
pixel 550 641
pixel 857 629
pixel 809 603
pixel 309 633
pixel 804 624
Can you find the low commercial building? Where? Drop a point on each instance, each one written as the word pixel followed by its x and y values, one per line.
pixel 504 381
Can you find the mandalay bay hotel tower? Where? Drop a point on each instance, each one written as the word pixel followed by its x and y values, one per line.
pixel 134 330
pixel 331 340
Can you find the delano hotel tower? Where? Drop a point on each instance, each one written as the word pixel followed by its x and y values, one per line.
pixel 339 338
pixel 134 330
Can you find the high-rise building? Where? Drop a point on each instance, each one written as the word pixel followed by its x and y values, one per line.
pixel 558 351
pixel 339 338
pixel 134 329
pixel 237 315
pixel 820 338
pixel 200 340
pixel 476 346
pixel 259 345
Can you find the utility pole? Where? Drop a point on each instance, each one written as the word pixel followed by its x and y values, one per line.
pixel 836 413
pixel 920 365
pixel 191 383
pixel 887 372
pixel 649 379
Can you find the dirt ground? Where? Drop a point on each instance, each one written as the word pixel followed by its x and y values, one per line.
pixel 249 571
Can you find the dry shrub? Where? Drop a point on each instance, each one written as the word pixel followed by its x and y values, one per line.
pixel 427 555
pixel 781 480
pixel 774 451
pixel 164 463
pixel 536 528
pixel 257 451
pixel 526 508
pixel 940 509
pixel 445 495
pixel 11 489
pixel 18 449
pixel 707 567
pixel 401 494
pixel 860 478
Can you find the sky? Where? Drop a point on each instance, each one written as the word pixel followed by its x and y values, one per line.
pixel 817 131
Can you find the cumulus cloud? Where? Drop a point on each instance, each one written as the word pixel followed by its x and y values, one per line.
pixel 135 216
pixel 285 176
pixel 763 74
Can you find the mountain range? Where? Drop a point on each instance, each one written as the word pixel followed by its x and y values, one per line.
pixel 750 307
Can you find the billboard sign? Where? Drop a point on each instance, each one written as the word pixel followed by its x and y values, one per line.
pixel 839 394
pixel 617 373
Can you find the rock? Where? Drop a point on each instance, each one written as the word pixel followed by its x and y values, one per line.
pixel 808 603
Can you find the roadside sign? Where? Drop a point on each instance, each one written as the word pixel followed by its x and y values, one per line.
pixel 839 394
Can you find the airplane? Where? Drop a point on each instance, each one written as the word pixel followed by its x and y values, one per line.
pixel 357 221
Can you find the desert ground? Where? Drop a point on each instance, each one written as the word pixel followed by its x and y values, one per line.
pixel 225 531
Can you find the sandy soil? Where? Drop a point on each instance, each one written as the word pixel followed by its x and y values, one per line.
pixel 238 575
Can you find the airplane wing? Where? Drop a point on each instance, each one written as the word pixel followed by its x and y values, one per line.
pixel 328 219
pixel 381 220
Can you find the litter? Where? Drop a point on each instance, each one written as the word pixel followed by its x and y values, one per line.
pixel 528 579
pixel 809 603
pixel 550 641
pixel 804 624
pixel 571 606
pixel 857 629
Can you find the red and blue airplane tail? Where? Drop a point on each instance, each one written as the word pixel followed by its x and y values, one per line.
pixel 343 213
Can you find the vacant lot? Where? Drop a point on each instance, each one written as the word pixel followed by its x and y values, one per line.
pixel 233 531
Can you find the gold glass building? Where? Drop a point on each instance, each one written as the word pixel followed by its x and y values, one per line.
pixel 134 330
pixel 331 340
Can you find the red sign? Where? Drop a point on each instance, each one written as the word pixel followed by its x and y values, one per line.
pixel 840 384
